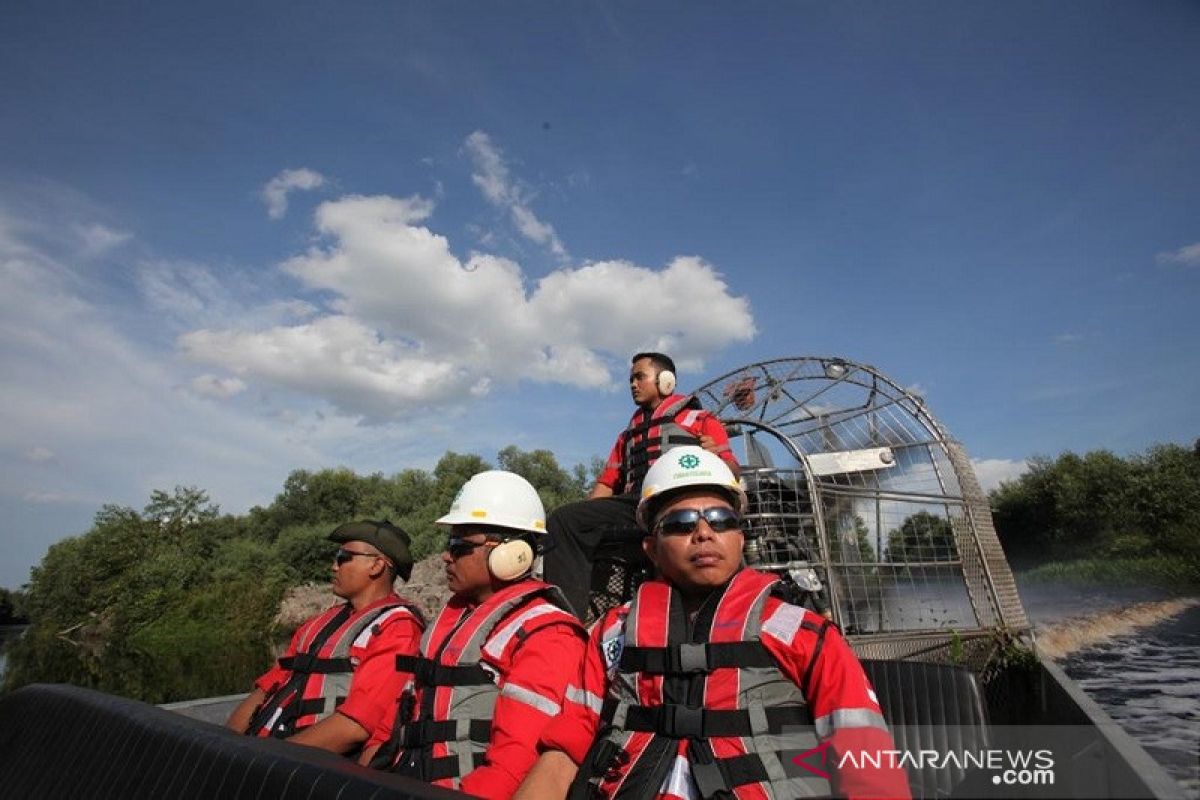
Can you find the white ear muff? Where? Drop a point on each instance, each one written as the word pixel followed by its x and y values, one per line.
pixel 510 560
pixel 665 382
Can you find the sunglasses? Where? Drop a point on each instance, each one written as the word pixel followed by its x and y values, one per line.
pixel 458 547
pixel 686 520
pixel 343 555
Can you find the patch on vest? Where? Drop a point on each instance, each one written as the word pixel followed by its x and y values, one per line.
pixel 611 649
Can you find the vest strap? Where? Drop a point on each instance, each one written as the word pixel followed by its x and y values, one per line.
pixel 724 774
pixel 430 673
pixel 423 733
pixel 311 665
pixel 685 722
pixel 684 659
pixel 449 767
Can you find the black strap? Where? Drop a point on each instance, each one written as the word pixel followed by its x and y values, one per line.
pixel 430 673
pixel 310 664
pixel 718 777
pixel 684 659
pixel 423 733
pixel 447 767
pixel 820 631
pixel 685 722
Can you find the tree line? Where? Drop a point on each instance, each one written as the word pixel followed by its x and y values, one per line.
pixel 1102 506
pixel 176 601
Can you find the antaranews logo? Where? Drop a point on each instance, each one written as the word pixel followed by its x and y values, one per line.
pixel 1007 767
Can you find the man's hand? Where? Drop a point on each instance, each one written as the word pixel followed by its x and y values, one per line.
pixel 600 490
pixel 239 719
pixel 550 777
pixel 709 444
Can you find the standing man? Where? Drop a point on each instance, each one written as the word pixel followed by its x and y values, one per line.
pixel 493 667
pixel 707 684
pixel 663 420
pixel 337 681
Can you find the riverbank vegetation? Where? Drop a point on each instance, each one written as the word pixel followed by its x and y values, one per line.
pixel 178 600
pixel 1100 518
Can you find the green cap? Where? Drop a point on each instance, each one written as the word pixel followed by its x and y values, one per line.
pixel 389 539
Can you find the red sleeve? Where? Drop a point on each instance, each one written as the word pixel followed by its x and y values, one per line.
pixel 611 474
pixel 531 695
pixel 275 677
pixel 841 699
pixel 575 729
pixel 711 426
pixel 375 687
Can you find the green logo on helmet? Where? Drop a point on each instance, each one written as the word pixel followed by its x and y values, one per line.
pixel 689 461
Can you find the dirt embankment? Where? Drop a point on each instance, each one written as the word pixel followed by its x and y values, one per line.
pixel 426 587
pixel 1066 636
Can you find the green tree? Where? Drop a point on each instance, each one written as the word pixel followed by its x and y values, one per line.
pixel 922 536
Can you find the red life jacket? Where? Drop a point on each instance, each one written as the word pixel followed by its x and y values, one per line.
pixel 443 727
pixel 322 668
pixel 708 705
pixel 650 435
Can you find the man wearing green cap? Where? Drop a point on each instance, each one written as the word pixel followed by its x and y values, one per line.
pixel 337 681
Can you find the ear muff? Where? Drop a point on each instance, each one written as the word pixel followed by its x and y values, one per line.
pixel 510 560
pixel 665 382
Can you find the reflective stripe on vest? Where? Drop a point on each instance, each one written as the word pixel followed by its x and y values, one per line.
pixel 716 698
pixel 322 670
pixel 455 684
pixel 647 438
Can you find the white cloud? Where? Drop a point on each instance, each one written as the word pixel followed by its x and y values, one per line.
pixel 1186 256
pixel 991 472
pixel 1068 338
pixel 275 193
pixel 414 325
pixel 98 239
pixel 39 455
pixel 491 175
pixel 217 388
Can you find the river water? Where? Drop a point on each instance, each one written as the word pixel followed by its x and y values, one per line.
pixel 1148 680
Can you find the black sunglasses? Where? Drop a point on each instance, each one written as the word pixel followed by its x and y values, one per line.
pixel 686 520
pixel 458 547
pixel 343 555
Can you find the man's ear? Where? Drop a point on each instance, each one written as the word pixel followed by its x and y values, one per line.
pixel 650 548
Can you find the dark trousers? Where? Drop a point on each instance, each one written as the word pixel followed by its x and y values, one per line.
pixel 575 531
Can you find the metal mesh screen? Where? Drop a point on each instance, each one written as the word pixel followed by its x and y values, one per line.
pixel 850 476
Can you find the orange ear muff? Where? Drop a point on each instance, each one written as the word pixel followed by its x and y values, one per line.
pixel 665 382
pixel 510 560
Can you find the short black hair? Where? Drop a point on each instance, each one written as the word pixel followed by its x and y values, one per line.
pixel 660 360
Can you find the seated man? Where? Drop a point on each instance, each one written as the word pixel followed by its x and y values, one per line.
pixel 663 420
pixel 337 681
pixel 708 683
pixel 493 666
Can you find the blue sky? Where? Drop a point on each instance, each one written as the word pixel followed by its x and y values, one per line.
pixel 239 241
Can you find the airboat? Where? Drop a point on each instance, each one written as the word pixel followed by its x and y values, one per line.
pixel 871 514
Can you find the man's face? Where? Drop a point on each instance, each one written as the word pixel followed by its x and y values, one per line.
pixel 465 557
pixel 360 563
pixel 642 374
pixel 702 560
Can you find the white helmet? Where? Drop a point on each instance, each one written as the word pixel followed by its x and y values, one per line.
pixel 684 467
pixel 499 498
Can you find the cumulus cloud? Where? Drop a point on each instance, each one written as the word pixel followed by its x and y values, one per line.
pixel 1186 256
pixel 492 177
pixel 994 471
pixel 414 325
pixel 275 193
pixel 217 388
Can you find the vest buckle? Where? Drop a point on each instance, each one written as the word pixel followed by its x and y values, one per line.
pixel 693 657
pixel 683 722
